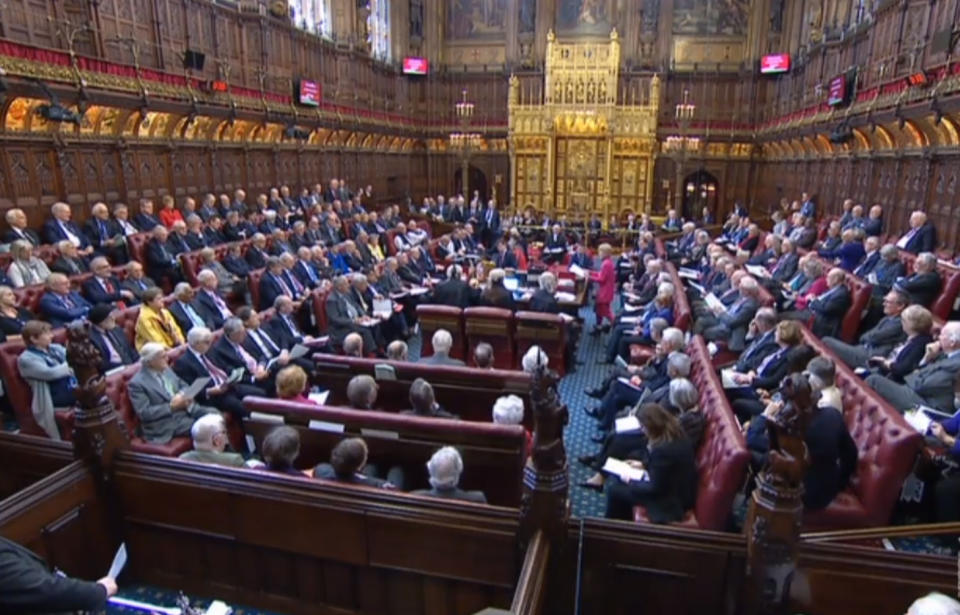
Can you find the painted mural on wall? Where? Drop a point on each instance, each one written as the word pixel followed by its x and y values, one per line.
pixel 476 19
pixel 725 17
pixel 583 16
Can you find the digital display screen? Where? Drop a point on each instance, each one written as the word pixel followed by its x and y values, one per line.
pixel 775 63
pixel 415 66
pixel 308 93
pixel 837 93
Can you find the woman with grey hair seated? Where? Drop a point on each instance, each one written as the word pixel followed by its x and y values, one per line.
pixel 26 269
pixel 445 468
pixel 685 402
pixel 508 410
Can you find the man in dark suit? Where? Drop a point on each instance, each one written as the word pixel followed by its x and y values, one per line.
pixel 283 327
pixel 208 208
pixel 60 305
pixel 195 238
pixel 273 283
pixel 879 340
pixel 732 324
pixel 237 229
pixel 873 225
pixel 115 349
pixel 496 295
pixel 145 220
pixel 103 287
pixel 454 291
pixel 262 346
pixel 186 311
pixel 304 270
pixel 762 343
pixel 922 235
pixel 445 467
pixel 924 284
pixel 343 316
pixel 932 384
pixel 161 263
pixel 905 358
pixel 256 255
pixel 70 262
pixel 871 258
pixel 490 224
pixel 18 228
pixel 808 207
pixel 135 281
pixel 556 246
pixel 442 342
pixel 849 253
pixel 503 258
pixel 228 353
pixel 280 244
pixel 212 305
pixel 786 265
pixel 424 402
pixel 28 586
pixel 60 228
pixel 105 235
pixel 214 232
pixel 177 238
pixel 543 299
pixel 235 263
pixel 831 306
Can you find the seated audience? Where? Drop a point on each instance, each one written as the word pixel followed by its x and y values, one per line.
pixel 917 322
pixel 348 460
pixel 115 350
pixel 344 316
pixel 924 284
pixel 442 343
pixel 61 228
pixel 362 392
pixel 731 324
pixel 25 269
pixel 283 327
pixel 17 221
pixel 60 305
pixel 136 282
pixel 849 253
pixel 229 354
pixel 211 305
pixel 156 396
pixel 746 401
pixel 445 468
pixel 425 403
pixel 495 294
pixel 826 308
pixel 70 262
pixel 43 365
pixel 12 316
pixel 931 384
pixel 483 356
pixel 104 287
pixel 397 351
pixel 280 449
pixel 155 323
pixel 508 410
pixel 878 341
pixel 292 385
pixel 209 434
pixel 670 488
pixel 186 311
pixel 145 220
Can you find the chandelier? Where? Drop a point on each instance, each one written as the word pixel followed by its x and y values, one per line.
pixel 464 107
pixel 685 110
pixel 465 140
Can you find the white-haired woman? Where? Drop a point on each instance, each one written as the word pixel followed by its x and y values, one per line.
pixel 508 410
pixel 26 269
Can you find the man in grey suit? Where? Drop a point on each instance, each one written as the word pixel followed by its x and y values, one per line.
pixel 931 384
pixel 732 325
pixel 209 434
pixel 343 316
pixel 442 342
pixel 878 341
pixel 164 411
pixel 445 468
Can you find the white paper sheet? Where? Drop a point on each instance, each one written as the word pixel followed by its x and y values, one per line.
pixel 714 304
pixel 758 271
pixel 620 468
pixel 119 561
pixel 195 388
pixel 627 423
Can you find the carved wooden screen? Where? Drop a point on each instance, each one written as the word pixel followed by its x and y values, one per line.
pixel 629 175
pixel 580 171
pixel 532 175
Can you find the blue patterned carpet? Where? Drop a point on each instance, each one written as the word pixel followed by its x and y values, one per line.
pixel 166 598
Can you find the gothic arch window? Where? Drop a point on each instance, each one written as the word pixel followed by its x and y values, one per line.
pixel 378 29
pixel 313 16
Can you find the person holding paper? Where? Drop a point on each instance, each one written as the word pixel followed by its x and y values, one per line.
pixel 746 401
pixel 209 434
pixel 344 316
pixel 28 586
pixel 262 345
pixel 731 325
pixel 229 355
pixel 671 487
pixel 156 396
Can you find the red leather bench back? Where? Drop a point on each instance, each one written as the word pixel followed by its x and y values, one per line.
pixel 682 313
pixel 433 317
pixel 253 282
pixel 722 457
pixel 549 331
pixel 859 301
pixel 20 395
pixel 493 455
pixel 494 326
pixel 29 297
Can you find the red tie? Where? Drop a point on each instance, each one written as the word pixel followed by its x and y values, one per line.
pixel 216 373
pixel 120 304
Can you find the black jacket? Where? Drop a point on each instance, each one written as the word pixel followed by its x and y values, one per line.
pixel 670 491
pixel 28 586
pixel 542 301
pixel 923 288
pixel 828 309
pixel 120 343
pixel 498 296
pixel 454 292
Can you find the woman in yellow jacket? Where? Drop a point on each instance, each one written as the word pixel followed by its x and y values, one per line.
pixel 155 323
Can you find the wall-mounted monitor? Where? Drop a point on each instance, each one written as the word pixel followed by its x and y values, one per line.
pixel 307 93
pixel 415 66
pixel 775 63
pixel 837 92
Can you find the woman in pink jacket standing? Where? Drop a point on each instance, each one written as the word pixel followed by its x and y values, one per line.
pixel 606 280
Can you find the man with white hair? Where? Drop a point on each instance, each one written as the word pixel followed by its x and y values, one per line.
pixel 105 235
pixel 445 468
pixel 931 384
pixel 442 342
pixel 423 402
pixel 213 308
pixel 454 291
pixel 534 359
pixel 934 603
pixel 156 396
pixel 159 260
pixel 922 235
pixel 508 410
pixel 732 324
pixel 344 316
pixel 209 434
pixel 924 284
pixel 17 220
pixel 623 396
pixel 61 228
pixel 353 345
pixel 228 353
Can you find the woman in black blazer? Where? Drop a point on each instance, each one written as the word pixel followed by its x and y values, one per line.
pixel 671 485
pixel 916 321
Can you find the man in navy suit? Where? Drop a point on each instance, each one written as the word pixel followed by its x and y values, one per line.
pixel 849 253
pixel 283 327
pixel 732 325
pixel 208 208
pixel 105 235
pixel 263 347
pixel 906 357
pixel 877 341
pixel 888 270
pixel 145 220
pixel 161 262
pixel 873 225
pixel 186 311
pixel 831 306
pixel 809 208
pixel 59 305
pixel 304 270
pixel 211 304
pixel 177 238
pixel 763 341
pixel 922 235
pixel 235 263
pixel 786 265
pixel 256 255
pixel 273 284
pixel 115 349
pixel 454 291
pixel 871 258
pixel 195 238
pixel 228 353
pixel 103 287
pixel 343 316
pixel 18 228
pixel 61 228
pixel 924 284
pixel 214 232
pixel 503 258
pixel 490 223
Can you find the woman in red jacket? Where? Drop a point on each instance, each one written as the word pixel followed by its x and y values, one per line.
pixel 169 214
pixel 606 280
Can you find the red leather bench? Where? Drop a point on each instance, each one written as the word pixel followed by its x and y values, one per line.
pixel 859 302
pixel 433 317
pixel 493 455
pixel 682 314
pixel 494 326
pixel 21 397
pixel 887 448
pixel 467 391
pixel 722 457
pixel 946 301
